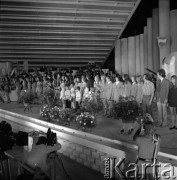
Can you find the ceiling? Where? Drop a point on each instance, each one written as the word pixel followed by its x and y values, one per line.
pixel 61 32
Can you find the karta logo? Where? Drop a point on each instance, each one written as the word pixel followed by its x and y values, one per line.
pixel 137 171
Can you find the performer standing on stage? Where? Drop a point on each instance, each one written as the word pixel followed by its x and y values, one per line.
pixel 39 87
pixel 172 102
pixel 28 84
pixel 139 90
pixel 103 92
pixel 7 88
pixel 17 88
pixel 162 90
pixel 134 87
pixel 147 95
pixel 109 100
pixel 117 89
pixel 127 86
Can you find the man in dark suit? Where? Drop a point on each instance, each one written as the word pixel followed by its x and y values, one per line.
pixel 162 90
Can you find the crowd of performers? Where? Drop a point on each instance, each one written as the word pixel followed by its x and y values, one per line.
pixel 84 86
pixel 74 90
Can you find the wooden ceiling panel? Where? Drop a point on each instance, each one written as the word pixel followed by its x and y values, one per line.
pixel 62 30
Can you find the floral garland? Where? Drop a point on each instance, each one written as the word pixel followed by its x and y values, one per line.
pixel 86 120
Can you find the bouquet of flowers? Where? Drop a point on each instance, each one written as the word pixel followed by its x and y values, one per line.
pixel 55 111
pixel 89 106
pixel 86 120
pixel 61 116
pixel 126 109
pixel 49 109
pixel 65 116
pixel 50 98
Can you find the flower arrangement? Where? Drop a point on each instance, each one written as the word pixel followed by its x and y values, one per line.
pixel 89 106
pixel 64 116
pixel 27 97
pixel 56 114
pixel 86 120
pixel 50 98
pixel 126 109
pixel 45 112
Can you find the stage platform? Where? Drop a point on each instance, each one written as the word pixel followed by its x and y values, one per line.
pixel 109 127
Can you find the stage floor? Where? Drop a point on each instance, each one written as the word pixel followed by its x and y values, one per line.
pixel 109 127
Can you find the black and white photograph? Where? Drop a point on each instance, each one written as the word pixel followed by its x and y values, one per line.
pixel 88 89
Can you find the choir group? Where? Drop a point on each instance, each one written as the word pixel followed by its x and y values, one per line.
pixel 73 90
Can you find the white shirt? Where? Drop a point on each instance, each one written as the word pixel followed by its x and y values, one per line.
pixel 86 92
pixel 67 94
pixel 78 96
pixel 73 92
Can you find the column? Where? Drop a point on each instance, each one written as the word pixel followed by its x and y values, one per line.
pixel 138 61
pixel 124 56
pixel 164 27
pixel 173 29
pixel 142 54
pixel 155 34
pixel 132 56
pixel 118 62
pixel 145 49
pixel 149 43
pixel 25 64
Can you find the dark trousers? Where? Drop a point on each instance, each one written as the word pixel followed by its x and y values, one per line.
pixel 77 105
pixel 68 103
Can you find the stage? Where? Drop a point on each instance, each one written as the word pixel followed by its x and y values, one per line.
pixel 108 127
